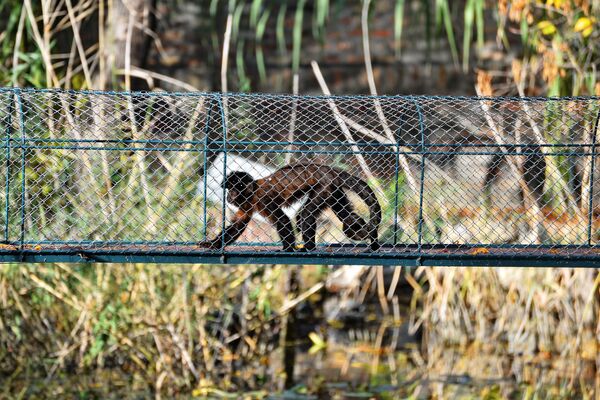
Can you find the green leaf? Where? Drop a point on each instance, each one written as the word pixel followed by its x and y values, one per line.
pixel 237 16
pixel 260 58
pixel 439 11
pixel 554 88
pixel 320 16
pixel 254 11
pixel 427 12
pixel 318 343
pixel 447 18
pixel 244 81
pixel 590 82
pixel 262 23
pixel 479 19
pixel 469 17
pixel 524 32
pixel 212 9
pixel 280 29
pixel 398 24
pixel 297 36
pixel 322 12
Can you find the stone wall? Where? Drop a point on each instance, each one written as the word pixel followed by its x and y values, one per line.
pixel 193 55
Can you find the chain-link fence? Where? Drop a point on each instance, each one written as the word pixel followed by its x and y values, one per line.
pixel 433 176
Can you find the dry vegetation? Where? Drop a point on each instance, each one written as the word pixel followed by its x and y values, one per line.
pixel 207 330
pixel 176 329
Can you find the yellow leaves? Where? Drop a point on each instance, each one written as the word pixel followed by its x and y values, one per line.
pixel 318 343
pixel 564 5
pixel 582 24
pixel 589 349
pixel 502 7
pixel 479 250
pixel 546 27
pixel 516 9
pixel 517 69
pixel 585 25
pixel 549 66
pixel 484 83
pixel 554 3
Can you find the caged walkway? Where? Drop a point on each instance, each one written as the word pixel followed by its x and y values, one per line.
pixel 137 177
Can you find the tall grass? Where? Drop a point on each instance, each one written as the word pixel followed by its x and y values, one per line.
pixel 174 329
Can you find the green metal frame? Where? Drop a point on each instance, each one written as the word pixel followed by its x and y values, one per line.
pixel 419 254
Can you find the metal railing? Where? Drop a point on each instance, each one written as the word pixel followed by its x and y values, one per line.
pixel 106 176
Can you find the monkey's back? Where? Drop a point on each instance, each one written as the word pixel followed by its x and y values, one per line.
pixel 290 183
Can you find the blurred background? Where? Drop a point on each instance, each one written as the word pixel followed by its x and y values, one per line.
pixel 299 331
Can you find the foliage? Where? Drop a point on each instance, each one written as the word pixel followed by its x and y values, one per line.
pixel 559 40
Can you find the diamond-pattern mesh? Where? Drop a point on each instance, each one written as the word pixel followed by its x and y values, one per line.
pixel 147 170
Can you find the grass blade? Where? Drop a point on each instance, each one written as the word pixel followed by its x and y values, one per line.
pixel 447 18
pixel 320 17
pixel 479 20
pixel 280 29
pixel 260 59
pixel 297 35
pixel 254 12
pixel 468 33
pixel 398 24
pixel 244 81
pixel 237 16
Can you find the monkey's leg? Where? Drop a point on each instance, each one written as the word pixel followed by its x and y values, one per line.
pixel 232 232
pixel 353 225
pixel 284 227
pixel 307 219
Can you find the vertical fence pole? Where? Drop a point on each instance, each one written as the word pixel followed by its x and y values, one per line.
pixel 422 184
pixel 224 132
pixel 204 182
pixel 11 99
pixel 22 127
pixel 591 183
pixel 396 173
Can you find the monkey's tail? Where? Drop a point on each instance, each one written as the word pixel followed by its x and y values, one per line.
pixel 361 188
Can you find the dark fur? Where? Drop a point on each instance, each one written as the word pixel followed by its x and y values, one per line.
pixel 324 186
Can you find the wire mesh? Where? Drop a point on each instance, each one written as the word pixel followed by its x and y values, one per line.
pixel 452 176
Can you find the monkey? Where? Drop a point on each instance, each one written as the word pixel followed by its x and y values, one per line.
pixel 324 187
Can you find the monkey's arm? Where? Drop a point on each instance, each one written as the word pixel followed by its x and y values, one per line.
pixel 232 232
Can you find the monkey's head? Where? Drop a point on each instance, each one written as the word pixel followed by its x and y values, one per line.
pixel 240 187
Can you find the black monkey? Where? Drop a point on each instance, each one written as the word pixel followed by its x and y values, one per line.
pixel 324 187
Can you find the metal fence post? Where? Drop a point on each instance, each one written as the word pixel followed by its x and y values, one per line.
pixel 592 168
pixel 11 99
pixel 224 132
pixel 396 174
pixel 22 127
pixel 206 144
pixel 422 184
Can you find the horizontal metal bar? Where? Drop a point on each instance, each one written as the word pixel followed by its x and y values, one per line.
pixel 97 148
pixel 437 246
pixel 508 146
pixel 94 244
pixel 406 98
pixel 300 258
pixel 301 151
pixel 111 141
